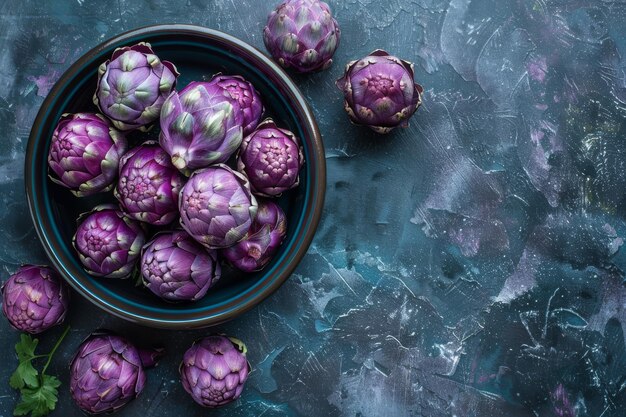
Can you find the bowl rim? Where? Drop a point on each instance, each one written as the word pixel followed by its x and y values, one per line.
pixel 311 212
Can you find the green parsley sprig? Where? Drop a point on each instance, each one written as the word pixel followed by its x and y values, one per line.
pixel 38 391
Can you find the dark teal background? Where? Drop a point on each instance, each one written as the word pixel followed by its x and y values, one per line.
pixel 469 265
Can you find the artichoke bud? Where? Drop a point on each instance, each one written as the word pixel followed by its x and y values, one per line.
pixel 131 66
pixel 214 370
pixel 177 268
pixel 92 139
pixel 107 373
pixel 34 299
pixel 207 119
pixel 380 107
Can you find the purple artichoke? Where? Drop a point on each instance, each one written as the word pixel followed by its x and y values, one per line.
pixel 108 242
pixel 133 85
pixel 34 299
pixel 107 372
pixel 84 153
pixel 149 184
pixel 214 370
pixel 217 207
pixel 243 96
pixel 271 157
pixel 177 268
pixel 199 127
pixel 263 239
pixel 379 91
pixel 302 34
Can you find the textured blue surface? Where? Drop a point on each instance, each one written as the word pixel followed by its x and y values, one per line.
pixel 469 265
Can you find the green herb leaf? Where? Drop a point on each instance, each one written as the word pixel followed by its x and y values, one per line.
pixel 25 348
pixel 22 408
pixel 16 381
pixel 41 400
pixel 24 375
pixel 38 391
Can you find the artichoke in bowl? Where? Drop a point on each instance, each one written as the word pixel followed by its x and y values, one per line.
pixel 217 207
pixel 263 239
pixel 177 268
pixel 108 242
pixel 200 127
pixel 243 96
pixel 85 152
pixel 149 185
pixel 133 85
pixel 271 157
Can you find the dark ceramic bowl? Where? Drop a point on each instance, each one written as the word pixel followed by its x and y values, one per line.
pixel 198 53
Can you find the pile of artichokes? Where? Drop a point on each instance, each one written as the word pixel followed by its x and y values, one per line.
pixel 203 194
pixel 180 182
pixel 379 91
pixel 108 370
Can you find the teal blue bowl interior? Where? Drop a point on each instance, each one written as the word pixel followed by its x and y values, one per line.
pixel 198 54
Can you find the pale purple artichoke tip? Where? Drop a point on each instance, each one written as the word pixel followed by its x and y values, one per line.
pixel 200 126
pixel 243 96
pixel 380 91
pixel 260 244
pixel 214 370
pixel 271 157
pixel 302 34
pixel 149 185
pixel 84 154
pixel 217 207
pixel 133 85
pixel 108 242
pixel 177 268
pixel 35 299
pixel 107 372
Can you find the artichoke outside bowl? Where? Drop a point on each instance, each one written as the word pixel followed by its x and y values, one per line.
pixel 198 53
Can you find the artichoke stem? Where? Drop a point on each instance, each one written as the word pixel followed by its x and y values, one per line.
pixel 179 162
pixel 150 357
